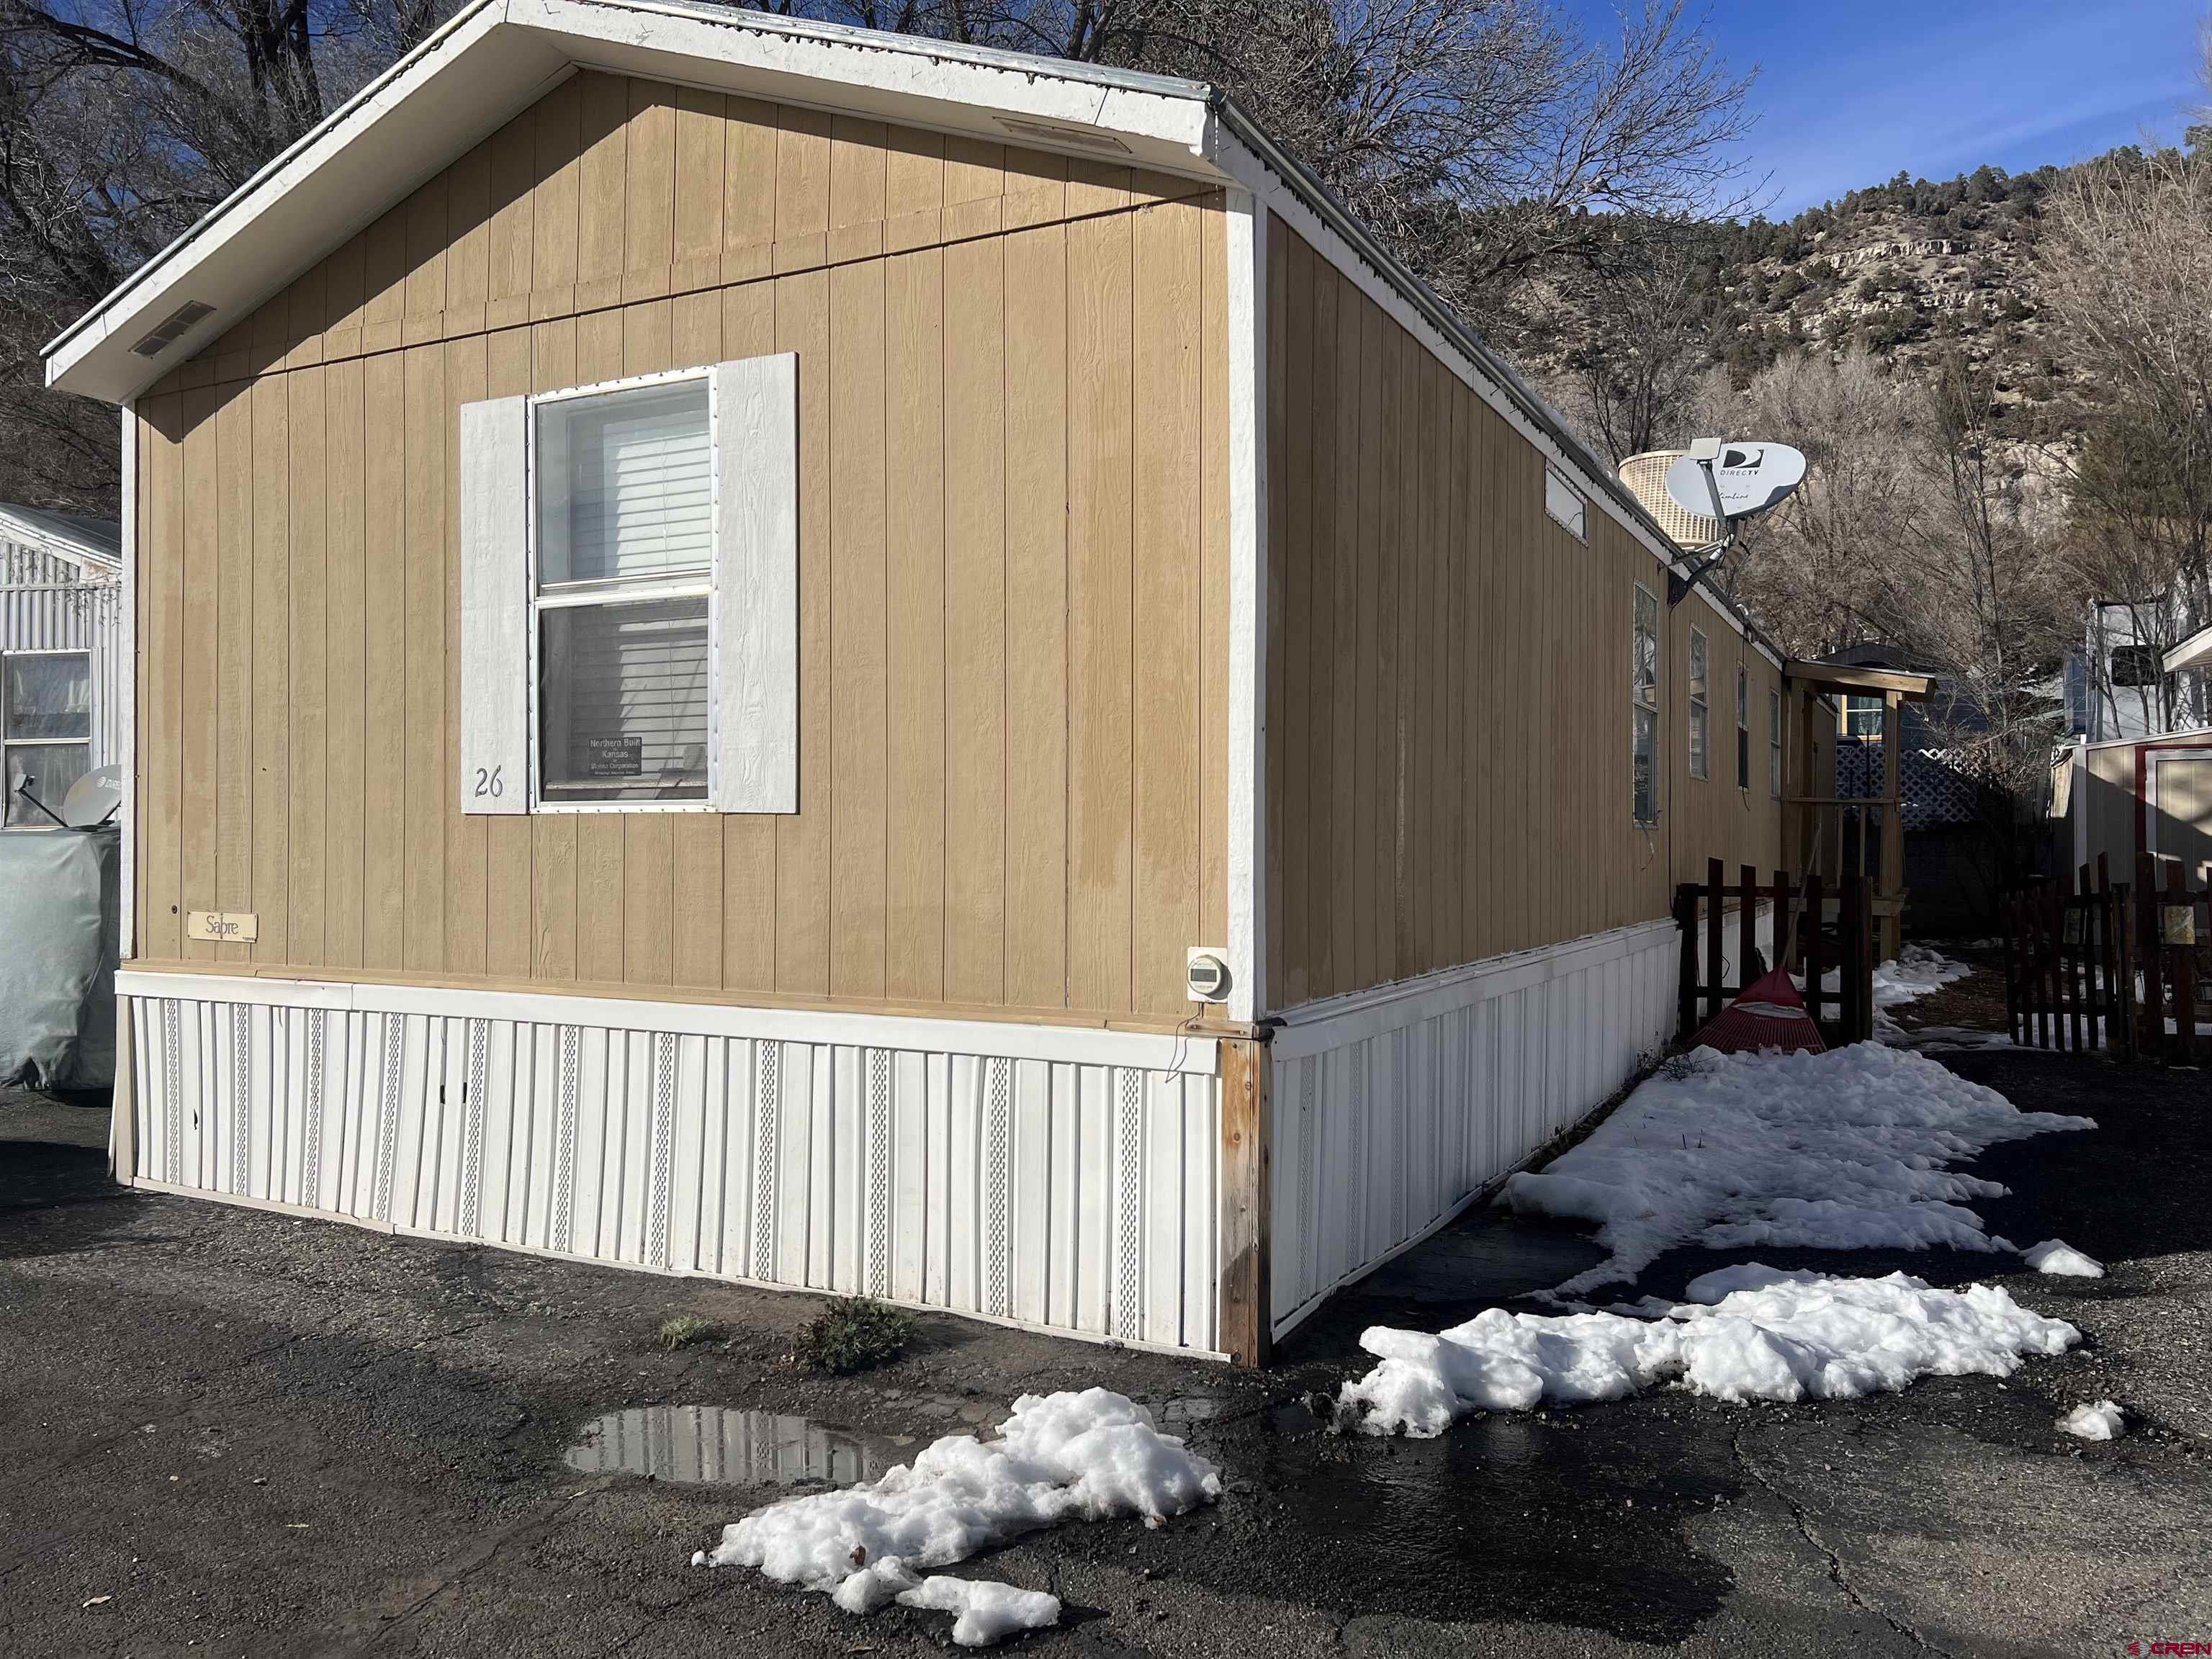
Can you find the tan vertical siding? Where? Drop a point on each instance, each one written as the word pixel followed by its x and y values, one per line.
pixel 1014 579
pixel 1447 695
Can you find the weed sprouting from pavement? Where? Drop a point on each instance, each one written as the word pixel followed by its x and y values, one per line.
pixel 854 1334
pixel 685 1330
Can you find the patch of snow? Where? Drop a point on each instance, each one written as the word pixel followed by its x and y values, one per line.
pixel 876 1585
pixel 1914 972
pixel 1767 1335
pixel 989 1611
pixel 2056 1255
pixel 1843 1150
pixel 1069 1456
pixel 1950 1039
pixel 2103 1421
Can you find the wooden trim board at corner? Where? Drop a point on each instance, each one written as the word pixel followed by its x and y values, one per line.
pixel 1243 1304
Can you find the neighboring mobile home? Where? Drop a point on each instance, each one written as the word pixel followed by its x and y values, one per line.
pixel 64 707
pixel 839 661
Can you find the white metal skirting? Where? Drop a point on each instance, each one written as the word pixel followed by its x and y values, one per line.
pixel 1391 1110
pixel 1042 1184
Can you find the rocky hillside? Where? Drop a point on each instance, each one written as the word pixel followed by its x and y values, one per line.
pixel 1913 269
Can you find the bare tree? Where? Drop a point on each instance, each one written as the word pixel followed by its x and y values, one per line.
pixel 1977 593
pixel 1816 571
pixel 122 122
pixel 2127 267
pixel 1637 367
pixel 1484 140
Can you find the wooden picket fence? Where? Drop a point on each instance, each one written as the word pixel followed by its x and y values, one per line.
pixel 2173 958
pixel 2068 979
pixel 2092 963
pixel 1801 936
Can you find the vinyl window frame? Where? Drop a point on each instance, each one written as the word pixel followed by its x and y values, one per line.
pixel 1743 726
pixel 1700 692
pixel 1644 700
pixel 1774 743
pixel 88 742
pixel 569 596
pixel 1852 720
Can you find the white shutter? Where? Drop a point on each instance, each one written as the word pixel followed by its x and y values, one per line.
pixel 495 481
pixel 757 584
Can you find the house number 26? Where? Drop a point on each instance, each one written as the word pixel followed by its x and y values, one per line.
pixel 488 782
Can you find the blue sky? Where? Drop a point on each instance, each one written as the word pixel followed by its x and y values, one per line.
pixel 1849 92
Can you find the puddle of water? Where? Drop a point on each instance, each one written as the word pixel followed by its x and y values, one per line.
pixel 1506 1517
pixel 720 1446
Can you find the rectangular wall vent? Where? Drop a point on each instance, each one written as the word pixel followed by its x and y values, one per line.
pixel 178 324
pixel 1089 138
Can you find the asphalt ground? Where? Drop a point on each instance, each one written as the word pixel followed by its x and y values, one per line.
pixel 230 1432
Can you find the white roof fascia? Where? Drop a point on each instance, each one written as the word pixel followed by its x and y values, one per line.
pixel 364 158
pixel 57 542
pixel 2195 652
pixel 787 60
pixel 495 59
pixel 1388 289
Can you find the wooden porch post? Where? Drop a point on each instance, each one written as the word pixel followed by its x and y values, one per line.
pixel 1246 1312
pixel 1808 754
pixel 1891 884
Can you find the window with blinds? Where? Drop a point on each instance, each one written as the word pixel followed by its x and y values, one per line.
pixel 623 593
pixel 1643 704
pixel 1700 709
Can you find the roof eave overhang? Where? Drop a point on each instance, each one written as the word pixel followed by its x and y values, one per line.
pixel 497 58
pixel 57 542
pixel 2195 652
pixel 1857 681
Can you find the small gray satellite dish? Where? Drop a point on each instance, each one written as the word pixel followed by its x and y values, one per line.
pixel 1750 477
pixel 92 798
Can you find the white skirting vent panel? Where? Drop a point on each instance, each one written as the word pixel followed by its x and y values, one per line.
pixel 1044 1185
pixel 1391 1108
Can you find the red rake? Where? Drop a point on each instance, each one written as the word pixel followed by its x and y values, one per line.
pixel 1769 1013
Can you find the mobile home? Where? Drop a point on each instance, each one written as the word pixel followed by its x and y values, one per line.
pixel 62 641
pixel 845 662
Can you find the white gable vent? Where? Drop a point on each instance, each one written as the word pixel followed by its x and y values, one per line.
pixel 1087 137
pixel 178 323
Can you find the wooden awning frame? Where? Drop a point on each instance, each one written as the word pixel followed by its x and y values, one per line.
pixel 1859 682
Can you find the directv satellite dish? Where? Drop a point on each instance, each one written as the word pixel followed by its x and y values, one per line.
pixel 93 797
pixel 1748 478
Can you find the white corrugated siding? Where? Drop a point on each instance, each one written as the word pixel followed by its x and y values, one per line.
pixel 47 604
pixel 1066 1195
pixel 1390 1113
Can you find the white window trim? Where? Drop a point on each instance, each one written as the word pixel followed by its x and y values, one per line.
pixel 1700 755
pixel 567 596
pixel 2152 759
pixel 1638 706
pixel 1743 726
pixel 89 741
pixel 1775 743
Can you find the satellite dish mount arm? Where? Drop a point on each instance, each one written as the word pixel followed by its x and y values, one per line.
pixel 1679 583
